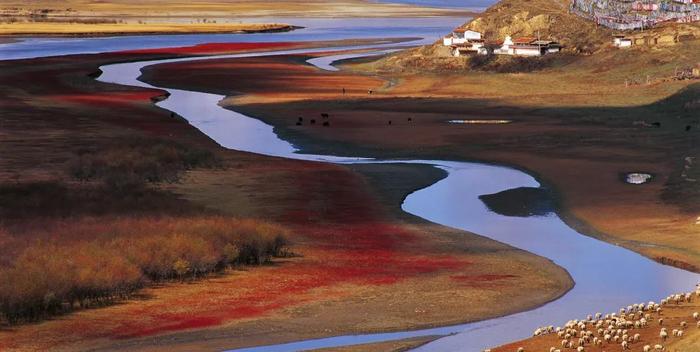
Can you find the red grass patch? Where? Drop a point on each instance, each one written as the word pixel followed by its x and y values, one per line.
pixel 106 98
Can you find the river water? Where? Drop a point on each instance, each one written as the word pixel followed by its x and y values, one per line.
pixel 315 29
pixel 607 276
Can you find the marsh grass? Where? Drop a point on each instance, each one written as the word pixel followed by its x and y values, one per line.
pixel 97 261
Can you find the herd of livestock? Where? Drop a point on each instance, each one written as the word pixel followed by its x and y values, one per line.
pixel 623 328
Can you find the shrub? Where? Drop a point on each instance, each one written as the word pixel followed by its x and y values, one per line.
pixel 52 278
pixel 137 162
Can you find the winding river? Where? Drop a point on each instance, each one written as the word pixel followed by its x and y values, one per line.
pixel 607 276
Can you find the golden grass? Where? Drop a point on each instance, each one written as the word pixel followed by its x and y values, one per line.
pixel 57 28
pixel 222 8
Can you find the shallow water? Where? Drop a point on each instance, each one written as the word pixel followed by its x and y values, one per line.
pixel 607 276
pixel 316 29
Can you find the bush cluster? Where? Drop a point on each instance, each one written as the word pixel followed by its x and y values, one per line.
pixel 510 64
pixel 138 161
pixel 53 278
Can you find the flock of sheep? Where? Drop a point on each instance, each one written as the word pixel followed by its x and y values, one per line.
pixel 619 328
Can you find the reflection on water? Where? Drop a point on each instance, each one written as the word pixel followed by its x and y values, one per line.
pixel 607 276
pixel 479 122
pixel 637 178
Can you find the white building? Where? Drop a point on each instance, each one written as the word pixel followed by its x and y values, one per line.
pixel 470 47
pixel 506 47
pixel 527 46
pixel 461 36
pixel 621 42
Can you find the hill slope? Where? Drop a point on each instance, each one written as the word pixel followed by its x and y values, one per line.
pixel 548 19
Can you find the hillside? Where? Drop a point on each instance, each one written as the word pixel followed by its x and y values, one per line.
pixel 548 19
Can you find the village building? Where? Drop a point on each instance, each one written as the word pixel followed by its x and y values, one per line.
pixel 470 47
pixel 461 36
pixel 621 41
pixel 645 6
pixel 527 46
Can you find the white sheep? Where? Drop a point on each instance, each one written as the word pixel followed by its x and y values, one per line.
pixel 663 335
pixel 580 349
pixel 680 333
pixel 520 349
pixel 625 345
pixel 659 347
pixel 647 348
pixel 684 324
pixel 696 316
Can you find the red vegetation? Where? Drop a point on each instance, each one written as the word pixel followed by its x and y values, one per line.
pixel 344 235
pixel 214 48
pixel 111 99
pixel 127 253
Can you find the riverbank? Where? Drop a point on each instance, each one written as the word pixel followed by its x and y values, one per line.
pixel 391 346
pixel 357 253
pixel 611 127
pixel 61 29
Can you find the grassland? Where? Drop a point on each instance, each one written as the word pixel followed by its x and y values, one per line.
pixel 601 102
pixel 356 254
pixel 98 29
pixel 211 10
pixel 125 17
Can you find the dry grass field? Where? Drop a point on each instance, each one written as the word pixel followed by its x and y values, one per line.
pixel 354 252
pixel 577 120
pixel 86 29
pixel 221 9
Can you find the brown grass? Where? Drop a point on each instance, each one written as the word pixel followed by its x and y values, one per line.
pixel 132 10
pixel 572 122
pixel 59 28
pixel 115 257
pixel 359 253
